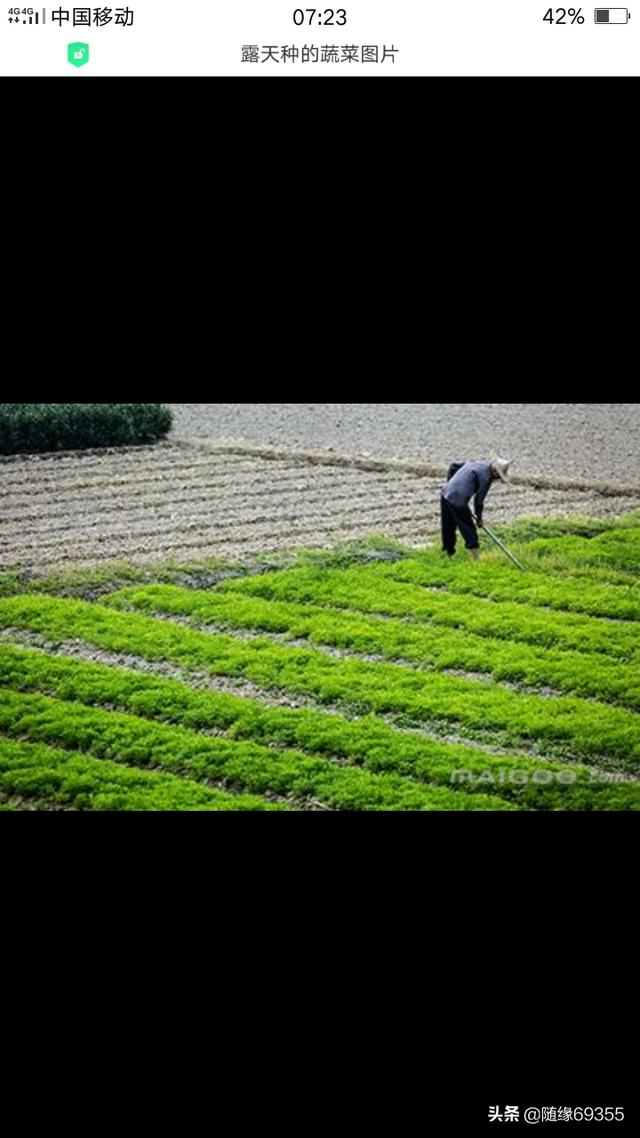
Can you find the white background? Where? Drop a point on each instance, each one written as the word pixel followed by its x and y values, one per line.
pixel 434 37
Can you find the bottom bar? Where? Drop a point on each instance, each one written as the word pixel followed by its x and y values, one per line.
pixel 612 15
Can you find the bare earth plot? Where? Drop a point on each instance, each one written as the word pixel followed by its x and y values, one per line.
pixel 191 502
pixel 571 440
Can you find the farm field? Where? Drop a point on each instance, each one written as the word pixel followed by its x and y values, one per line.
pixel 570 440
pixel 376 680
pixel 189 503
pixel 254 615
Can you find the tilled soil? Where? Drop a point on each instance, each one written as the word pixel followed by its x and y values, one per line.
pixel 594 441
pixel 179 503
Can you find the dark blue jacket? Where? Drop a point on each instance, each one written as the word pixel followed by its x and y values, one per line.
pixel 470 480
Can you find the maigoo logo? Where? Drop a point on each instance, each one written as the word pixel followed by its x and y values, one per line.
pixel 78 54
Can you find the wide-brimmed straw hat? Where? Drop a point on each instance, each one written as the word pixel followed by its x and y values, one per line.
pixel 501 466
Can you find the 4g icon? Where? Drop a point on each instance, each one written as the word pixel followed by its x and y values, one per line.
pixel 78 54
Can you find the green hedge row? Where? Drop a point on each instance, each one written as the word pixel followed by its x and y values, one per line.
pixel 28 428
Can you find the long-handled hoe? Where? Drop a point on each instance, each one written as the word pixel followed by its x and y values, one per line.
pixel 494 537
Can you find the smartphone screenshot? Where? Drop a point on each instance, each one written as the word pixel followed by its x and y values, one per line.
pixel 287 38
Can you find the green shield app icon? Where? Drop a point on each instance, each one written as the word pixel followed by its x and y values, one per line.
pixel 78 54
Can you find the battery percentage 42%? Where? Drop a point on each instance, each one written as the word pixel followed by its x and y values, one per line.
pixel 566 16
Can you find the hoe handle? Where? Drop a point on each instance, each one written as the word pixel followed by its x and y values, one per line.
pixel 503 547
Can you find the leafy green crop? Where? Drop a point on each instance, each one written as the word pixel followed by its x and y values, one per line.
pixel 502 583
pixel 250 766
pixel 367 590
pixel 590 730
pixel 71 778
pixel 617 550
pixel 441 648
pixel 367 742
pixel 527 529
pixel 554 656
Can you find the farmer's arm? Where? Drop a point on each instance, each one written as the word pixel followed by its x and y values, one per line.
pixel 484 486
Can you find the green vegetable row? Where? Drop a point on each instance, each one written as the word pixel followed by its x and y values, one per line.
pixel 73 779
pixel 366 590
pixel 250 766
pixel 597 677
pixel 617 550
pixel 589 729
pixel 576 525
pixel 502 583
pixel 367 742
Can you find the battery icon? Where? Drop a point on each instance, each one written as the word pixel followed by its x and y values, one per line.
pixel 612 15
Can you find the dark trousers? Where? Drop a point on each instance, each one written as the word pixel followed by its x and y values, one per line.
pixel 454 519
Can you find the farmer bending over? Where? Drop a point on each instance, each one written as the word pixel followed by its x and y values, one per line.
pixel 467 480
